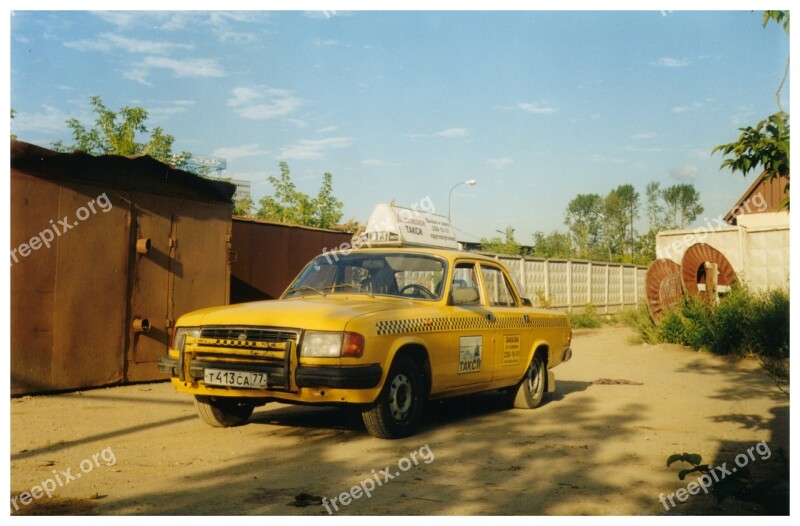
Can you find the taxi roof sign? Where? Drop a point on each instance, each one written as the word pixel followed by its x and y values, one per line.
pixel 398 226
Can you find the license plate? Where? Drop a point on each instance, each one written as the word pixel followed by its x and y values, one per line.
pixel 243 379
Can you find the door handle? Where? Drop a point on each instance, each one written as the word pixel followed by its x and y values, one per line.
pixel 490 316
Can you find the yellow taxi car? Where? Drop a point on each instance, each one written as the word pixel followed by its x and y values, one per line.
pixel 400 318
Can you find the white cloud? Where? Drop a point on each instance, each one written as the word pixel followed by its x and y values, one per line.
pixel 328 129
pixel 263 102
pixel 537 108
pixel 325 15
pixel 237 152
pixel 189 67
pixel 221 28
pixel 500 162
pixel 107 42
pixel 118 18
pixel 313 149
pixel 51 120
pixel 668 62
pixel 218 23
pixel 319 42
pixel 171 107
pixel 453 133
pixel 138 74
pixel 373 162
pixel 643 136
pixel 684 109
pixel 687 172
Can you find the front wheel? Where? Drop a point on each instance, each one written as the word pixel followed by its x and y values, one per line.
pixel 530 391
pixel 219 411
pixel 398 409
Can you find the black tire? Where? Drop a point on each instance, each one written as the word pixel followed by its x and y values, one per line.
pixel 218 411
pixel 530 391
pixel 398 409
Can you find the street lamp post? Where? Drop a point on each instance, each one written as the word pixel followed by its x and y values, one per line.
pixel 468 182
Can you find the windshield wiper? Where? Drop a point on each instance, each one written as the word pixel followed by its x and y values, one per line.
pixel 353 286
pixel 306 288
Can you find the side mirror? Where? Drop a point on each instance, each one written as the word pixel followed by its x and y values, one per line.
pixel 527 302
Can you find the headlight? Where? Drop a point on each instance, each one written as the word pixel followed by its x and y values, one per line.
pixel 179 340
pixel 322 344
pixel 319 344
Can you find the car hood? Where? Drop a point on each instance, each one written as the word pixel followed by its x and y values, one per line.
pixel 331 312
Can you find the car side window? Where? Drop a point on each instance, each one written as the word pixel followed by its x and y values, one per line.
pixel 497 287
pixel 465 289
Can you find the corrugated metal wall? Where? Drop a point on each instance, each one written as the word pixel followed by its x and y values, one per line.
pixel 75 298
pixel 267 256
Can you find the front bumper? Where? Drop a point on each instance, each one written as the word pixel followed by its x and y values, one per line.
pixel 358 377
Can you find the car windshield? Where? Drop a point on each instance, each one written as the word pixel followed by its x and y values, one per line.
pixel 397 274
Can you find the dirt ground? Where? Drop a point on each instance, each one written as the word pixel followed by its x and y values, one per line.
pixel 598 446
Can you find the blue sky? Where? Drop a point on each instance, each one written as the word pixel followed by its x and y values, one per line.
pixel 536 106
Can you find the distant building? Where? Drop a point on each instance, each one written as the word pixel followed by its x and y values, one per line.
pixel 242 189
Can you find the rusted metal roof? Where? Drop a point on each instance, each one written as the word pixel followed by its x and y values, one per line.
pixel 117 171
pixel 769 194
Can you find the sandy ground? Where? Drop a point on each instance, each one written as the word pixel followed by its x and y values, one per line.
pixel 593 448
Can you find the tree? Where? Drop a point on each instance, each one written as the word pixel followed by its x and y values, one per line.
pixel 583 218
pixel 116 133
pixel 683 200
pixel 553 245
pixel 767 144
pixel 289 205
pixel 328 209
pixel 656 213
pixel 621 211
pixel 13 116
pixel 657 220
pixel 497 246
pixel 242 207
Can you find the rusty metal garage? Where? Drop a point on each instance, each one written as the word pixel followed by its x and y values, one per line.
pixel 106 252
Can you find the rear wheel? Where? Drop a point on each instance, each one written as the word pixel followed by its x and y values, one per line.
pixel 398 409
pixel 530 391
pixel 219 411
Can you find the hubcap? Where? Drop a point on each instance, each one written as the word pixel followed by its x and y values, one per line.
pixel 534 378
pixel 400 397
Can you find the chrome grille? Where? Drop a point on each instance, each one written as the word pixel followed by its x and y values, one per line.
pixel 253 334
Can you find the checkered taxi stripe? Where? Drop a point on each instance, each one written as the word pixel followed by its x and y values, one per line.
pixel 462 323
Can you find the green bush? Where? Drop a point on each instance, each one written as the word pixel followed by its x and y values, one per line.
pixel 742 323
pixel 733 323
pixel 639 319
pixel 588 319
pixel 769 333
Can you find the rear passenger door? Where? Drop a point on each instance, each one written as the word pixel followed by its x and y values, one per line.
pixel 511 338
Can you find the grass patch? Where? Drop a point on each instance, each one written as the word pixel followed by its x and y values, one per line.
pixel 588 319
